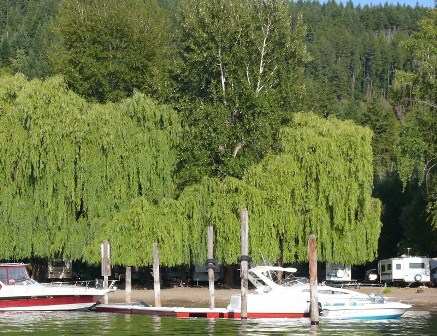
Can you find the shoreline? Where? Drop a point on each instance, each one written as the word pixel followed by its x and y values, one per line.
pixel 199 296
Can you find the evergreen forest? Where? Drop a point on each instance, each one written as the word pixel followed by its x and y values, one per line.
pixel 146 121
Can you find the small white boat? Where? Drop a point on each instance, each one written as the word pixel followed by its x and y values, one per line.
pixel 18 292
pixel 290 298
pixel 371 308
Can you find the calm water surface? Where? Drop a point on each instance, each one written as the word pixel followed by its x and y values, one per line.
pixel 90 323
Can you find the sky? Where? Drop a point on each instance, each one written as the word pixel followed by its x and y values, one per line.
pixel 424 3
pixel 412 3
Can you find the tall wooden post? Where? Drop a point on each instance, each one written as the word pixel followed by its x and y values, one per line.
pixel 211 267
pixel 156 278
pixel 314 302
pixel 106 267
pixel 128 284
pixel 244 261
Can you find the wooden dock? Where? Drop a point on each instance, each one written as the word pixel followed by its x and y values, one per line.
pixel 184 312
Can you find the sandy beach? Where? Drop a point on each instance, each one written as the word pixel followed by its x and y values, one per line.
pixel 199 296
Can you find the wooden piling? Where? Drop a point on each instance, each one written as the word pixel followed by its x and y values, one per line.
pixel 106 267
pixel 156 278
pixel 128 284
pixel 244 261
pixel 314 302
pixel 211 267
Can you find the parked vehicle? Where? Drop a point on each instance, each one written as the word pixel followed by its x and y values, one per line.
pixel 59 269
pixel 404 269
pixel 200 273
pixel 338 273
pixel 371 275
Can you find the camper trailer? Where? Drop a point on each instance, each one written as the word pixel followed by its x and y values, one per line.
pixel 404 269
pixel 338 273
pixel 59 269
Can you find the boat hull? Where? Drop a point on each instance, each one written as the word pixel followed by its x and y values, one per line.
pixel 48 303
pixel 372 312
pixel 18 292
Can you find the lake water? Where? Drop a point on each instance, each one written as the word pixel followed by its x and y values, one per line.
pixel 90 323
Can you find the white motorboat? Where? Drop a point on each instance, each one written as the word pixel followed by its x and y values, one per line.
pixel 288 297
pixel 371 308
pixel 18 292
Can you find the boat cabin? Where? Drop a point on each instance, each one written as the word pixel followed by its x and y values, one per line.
pixel 404 269
pixel 13 273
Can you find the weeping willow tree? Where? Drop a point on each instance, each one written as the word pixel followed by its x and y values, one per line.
pixel 65 164
pixel 320 182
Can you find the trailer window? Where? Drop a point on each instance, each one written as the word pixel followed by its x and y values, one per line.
pixel 382 268
pixel 398 266
pixel 389 267
pixel 417 265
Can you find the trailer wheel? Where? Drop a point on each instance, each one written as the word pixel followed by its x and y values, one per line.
pixel 417 278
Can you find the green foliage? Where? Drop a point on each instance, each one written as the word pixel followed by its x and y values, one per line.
pixel 108 48
pixel 355 49
pixel 239 74
pixel 416 97
pixel 66 164
pixel 380 118
pixel 320 182
pixel 26 35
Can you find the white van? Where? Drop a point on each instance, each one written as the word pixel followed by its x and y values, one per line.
pixel 404 269
pixel 338 273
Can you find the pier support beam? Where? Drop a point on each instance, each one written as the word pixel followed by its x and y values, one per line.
pixel 244 260
pixel 128 284
pixel 156 277
pixel 210 264
pixel 314 302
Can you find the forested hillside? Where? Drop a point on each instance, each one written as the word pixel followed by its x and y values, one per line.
pixel 238 74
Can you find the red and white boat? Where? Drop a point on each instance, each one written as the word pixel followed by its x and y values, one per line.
pixel 18 292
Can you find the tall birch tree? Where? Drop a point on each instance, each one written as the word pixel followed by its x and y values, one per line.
pixel 320 181
pixel 239 78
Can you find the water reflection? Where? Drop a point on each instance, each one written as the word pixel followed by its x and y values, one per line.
pixel 156 322
pixel 243 328
pixel 211 327
pixel 89 323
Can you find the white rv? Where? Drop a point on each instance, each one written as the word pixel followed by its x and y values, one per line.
pixel 338 273
pixel 404 269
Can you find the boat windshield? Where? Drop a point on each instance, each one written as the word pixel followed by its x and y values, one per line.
pixel 295 281
pixel 277 277
pixel 11 275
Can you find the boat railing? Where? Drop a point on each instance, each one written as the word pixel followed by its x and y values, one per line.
pixel 97 284
pixel 369 298
pixel 377 298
